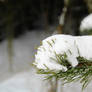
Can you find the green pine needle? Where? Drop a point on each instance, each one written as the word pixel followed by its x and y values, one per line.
pixel 82 72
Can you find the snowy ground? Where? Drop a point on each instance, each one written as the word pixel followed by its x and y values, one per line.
pixel 23 77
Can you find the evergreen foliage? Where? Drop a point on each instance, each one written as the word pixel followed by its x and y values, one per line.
pixel 82 72
pixel 86 32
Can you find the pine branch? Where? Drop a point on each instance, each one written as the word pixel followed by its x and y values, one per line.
pixel 82 72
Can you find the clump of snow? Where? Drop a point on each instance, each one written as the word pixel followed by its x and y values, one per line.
pixel 73 46
pixel 45 54
pixel 51 45
pixel 86 23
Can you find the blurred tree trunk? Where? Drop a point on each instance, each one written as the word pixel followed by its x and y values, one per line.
pixel 89 5
pixel 76 10
pixel 9 35
pixel 53 85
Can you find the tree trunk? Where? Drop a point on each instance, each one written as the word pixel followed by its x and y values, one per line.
pixel 76 11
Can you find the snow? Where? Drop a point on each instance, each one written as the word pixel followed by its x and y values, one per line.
pixel 61 44
pixel 23 53
pixel 24 82
pixel 23 78
pixel 86 23
pixel 44 54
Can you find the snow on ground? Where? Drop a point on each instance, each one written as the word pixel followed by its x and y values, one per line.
pixel 23 78
pixel 23 53
pixel 27 81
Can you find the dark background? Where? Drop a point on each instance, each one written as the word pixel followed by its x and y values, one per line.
pixel 19 16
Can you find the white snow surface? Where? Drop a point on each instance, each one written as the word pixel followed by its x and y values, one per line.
pixel 60 44
pixel 86 23
pixel 23 53
pixel 27 81
pixel 23 77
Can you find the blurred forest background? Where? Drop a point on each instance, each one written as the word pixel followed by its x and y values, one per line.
pixel 18 16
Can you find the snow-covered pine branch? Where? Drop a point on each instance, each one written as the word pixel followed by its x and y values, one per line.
pixel 73 46
pixel 65 56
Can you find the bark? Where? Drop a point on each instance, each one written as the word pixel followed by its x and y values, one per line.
pixel 76 11
pixel 89 5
